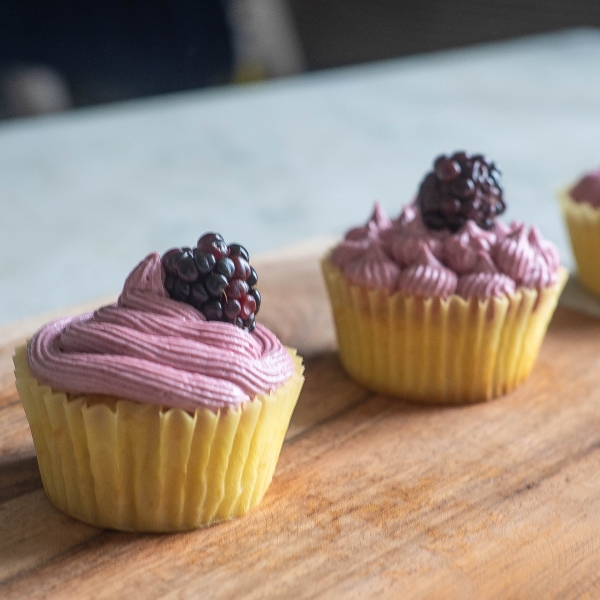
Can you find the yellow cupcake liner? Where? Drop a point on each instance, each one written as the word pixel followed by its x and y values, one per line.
pixel 119 464
pixel 583 224
pixel 435 350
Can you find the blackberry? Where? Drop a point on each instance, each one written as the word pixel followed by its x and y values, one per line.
pixel 459 188
pixel 214 278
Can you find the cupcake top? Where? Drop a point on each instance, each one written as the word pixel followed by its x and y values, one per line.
pixel 587 189
pixel 152 348
pixel 448 241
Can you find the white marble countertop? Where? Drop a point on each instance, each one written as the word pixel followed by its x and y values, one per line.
pixel 84 195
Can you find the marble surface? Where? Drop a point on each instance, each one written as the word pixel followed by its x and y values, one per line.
pixel 84 195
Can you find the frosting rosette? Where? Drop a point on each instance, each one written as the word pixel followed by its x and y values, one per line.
pixel 485 281
pixel 427 276
pixel 405 255
pixel 152 349
pixel 463 249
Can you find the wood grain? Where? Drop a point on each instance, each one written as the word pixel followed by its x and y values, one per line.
pixel 372 498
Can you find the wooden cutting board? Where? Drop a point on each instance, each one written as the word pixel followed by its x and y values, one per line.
pixel 372 497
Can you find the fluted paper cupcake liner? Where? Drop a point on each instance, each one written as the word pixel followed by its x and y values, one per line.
pixel 583 224
pixel 123 465
pixel 437 350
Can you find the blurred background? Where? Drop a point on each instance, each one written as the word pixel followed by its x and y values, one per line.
pixel 148 133
pixel 58 54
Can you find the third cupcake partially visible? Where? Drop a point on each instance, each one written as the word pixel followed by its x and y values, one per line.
pixel 581 209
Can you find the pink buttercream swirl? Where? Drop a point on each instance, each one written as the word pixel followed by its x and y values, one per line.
pixel 484 280
pixel 405 255
pixel 485 285
pixel 374 269
pixel 463 249
pixel 526 258
pixel 587 189
pixel 363 257
pixel 427 277
pixel 348 252
pixel 152 349
pixel 408 234
pixel 514 255
pixel 548 252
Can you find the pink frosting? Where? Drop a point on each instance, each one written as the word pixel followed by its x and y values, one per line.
pixel 463 249
pixel 515 255
pixel 407 235
pixel 374 269
pixel 405 255
pixel 547 251
pixel 362 257
pixel 587 189
pixel 526 258
pixel 485 285
pixel 155 350
pixel 349 252
pixel 427 277
pixel 484 280
pixel 501 230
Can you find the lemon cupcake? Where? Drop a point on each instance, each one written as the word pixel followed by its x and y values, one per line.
pixel 444 304
pixel 167 410
pixel 581 210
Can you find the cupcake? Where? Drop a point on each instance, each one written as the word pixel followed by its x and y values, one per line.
pixel 580 205
pixel 444 304
pixel 167 410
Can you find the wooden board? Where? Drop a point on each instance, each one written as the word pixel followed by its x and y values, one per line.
pixel 372 497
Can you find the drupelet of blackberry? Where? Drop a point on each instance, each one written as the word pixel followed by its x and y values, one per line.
pixel 216 279
pixel 461 187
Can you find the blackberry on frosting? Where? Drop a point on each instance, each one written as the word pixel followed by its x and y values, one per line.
pixel 216 279
pixel 430 250
pixel 461 187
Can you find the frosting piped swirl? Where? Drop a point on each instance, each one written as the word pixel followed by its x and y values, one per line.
pixel 427 277
pixel 374 269
pixel 405 255
pixel 462 250
pixel 152 349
